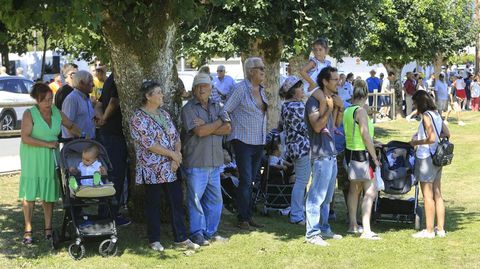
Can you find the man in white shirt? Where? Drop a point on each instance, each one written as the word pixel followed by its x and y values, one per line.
pixel 223 83
pixel 387 87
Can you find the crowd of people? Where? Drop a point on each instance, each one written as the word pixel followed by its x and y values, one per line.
pixel 325 116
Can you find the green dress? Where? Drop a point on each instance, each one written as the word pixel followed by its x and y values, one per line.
pixel 38 178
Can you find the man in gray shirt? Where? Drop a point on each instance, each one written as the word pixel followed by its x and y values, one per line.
pixel 204 123
pixel 323 112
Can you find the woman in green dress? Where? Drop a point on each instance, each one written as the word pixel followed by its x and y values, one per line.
pixel 40 128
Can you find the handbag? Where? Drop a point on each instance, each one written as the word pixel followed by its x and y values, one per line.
pixel 357 170
pixel 444 153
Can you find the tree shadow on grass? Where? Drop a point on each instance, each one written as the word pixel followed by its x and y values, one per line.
pixel 381 132
pixel 132 238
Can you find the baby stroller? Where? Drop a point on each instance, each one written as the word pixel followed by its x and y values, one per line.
pixel 274 187
pixel 77 226
pixel 397 174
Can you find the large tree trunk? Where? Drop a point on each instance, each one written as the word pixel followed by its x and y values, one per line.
pixel 397 69
pixel 437 65
pixel 296 64
pixel 134 60
pixel 270 51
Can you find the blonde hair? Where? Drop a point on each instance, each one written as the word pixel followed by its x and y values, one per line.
pixel 360 90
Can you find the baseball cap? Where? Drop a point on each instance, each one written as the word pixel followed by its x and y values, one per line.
pixel 289 83
pixel 201 78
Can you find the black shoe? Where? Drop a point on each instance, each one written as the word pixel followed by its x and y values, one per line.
pixel 255 224
pixel 122 221
pixel 243 225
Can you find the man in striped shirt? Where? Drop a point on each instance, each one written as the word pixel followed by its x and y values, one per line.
pixel 247 106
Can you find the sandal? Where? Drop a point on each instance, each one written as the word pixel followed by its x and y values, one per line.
pixel 370 236
pixel 27 238
pixel 48 233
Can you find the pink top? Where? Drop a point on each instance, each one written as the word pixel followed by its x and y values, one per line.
pixel 152 168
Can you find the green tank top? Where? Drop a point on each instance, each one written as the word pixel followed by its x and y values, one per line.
pixel 354 139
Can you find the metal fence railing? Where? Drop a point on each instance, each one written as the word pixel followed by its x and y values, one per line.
pixel 9 133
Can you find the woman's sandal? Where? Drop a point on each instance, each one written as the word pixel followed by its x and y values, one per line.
pixel 27 238
pixel 48 233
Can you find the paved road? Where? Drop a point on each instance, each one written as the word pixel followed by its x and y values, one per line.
pixel 9 154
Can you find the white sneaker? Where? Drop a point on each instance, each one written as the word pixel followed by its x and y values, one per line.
pixel 441 233
pixel 331 235
pixel 317 241
pixel 188 244
pixel 424 234
pixel 157 246
pixel 218 238
pixel 461 123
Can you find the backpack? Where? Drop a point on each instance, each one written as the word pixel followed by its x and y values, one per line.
pixel 444 153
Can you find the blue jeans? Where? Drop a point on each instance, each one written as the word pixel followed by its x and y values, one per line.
pixel 248 158
pixel 302 175
pixel 117 153
pixel 204 201
pixel 320 195
pixel 153 210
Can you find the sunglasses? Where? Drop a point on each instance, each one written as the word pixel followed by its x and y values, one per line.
pixel 261 68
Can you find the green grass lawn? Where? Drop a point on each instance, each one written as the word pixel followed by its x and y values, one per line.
pixel 280 244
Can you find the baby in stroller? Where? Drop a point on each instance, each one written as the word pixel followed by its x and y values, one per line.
pixel 86 179
pixel 280 166
pixel 89 166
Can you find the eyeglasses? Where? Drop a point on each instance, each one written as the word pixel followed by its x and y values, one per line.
pixel 261 68
pixel 220 71
pixel 71 74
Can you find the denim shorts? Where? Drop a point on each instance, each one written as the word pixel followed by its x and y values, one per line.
pixel 426 171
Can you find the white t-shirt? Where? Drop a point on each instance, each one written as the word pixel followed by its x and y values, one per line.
pixel 460 84
pixel 475 89
pixel 88 171
pixel 313 73
pixel 386 86
pixel 424 151
pixel 274 160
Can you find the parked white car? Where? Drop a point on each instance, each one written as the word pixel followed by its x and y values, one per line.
pixel 13 90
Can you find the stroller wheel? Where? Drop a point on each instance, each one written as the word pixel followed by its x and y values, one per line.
pixel 108 248
pixel 418 219
pixel 55 239
pixel 76 251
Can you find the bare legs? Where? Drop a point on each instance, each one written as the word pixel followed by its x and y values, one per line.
pixel 368 198
pixel 47 213
pixel 28 213
pixel 433 200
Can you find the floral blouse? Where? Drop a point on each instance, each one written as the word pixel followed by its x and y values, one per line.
pixel 296 133
pixel 152 168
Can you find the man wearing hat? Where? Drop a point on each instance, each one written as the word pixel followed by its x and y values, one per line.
pixel 373 83
pixel 223 83
pixel 204 125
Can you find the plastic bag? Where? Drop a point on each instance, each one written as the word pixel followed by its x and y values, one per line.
pixel 378 179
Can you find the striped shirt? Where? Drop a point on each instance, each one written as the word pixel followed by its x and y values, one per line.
pixel 249 122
